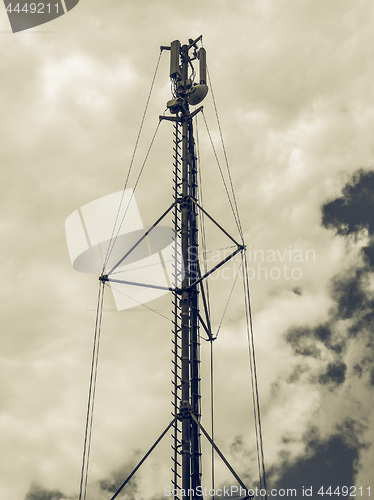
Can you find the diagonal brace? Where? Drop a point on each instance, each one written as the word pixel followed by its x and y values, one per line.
pixel 207 326
pixel 215 222
pixel 221 456
pixel 239 249
pixel 207 330
pixel 141 239
pixel 143 459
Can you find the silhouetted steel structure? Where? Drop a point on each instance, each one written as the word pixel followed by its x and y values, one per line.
pixel 186 362
pixel 189 282
pixel 187 317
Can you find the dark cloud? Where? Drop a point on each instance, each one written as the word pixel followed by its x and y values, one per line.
pixel 354 299
pixel 297 373
pixel 303 342
pixel 308 341
pixel 351 292
pixel 325 463
pixel 354 210
pixel 372 377
pixel 335 374
pixel 237 444
pixel 38 493
pixel 111 484
pixel 368 252
pixel 323 333
pixel 364 321
pixel 105 487
pixel 357 370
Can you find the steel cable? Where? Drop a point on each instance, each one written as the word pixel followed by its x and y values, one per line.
pixel 112 243
pixel 253 370
pixel 226 160
pixel 228 300
pixel 237 221
pixel 138 302
pixel 91 395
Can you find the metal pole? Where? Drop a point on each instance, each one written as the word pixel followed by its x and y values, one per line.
pixel 194 324
pixel 188 343
pixel 185 299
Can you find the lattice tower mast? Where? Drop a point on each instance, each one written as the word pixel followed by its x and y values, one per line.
pixel 186 342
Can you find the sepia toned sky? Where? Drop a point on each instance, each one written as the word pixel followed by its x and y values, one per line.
pixel 293 83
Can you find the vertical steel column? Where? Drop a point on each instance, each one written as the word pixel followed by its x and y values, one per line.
pixel 194 324
pixel 185 299
pixel 176 371
pixel 186 361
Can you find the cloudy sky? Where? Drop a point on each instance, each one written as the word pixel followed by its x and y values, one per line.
pixel 293 82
